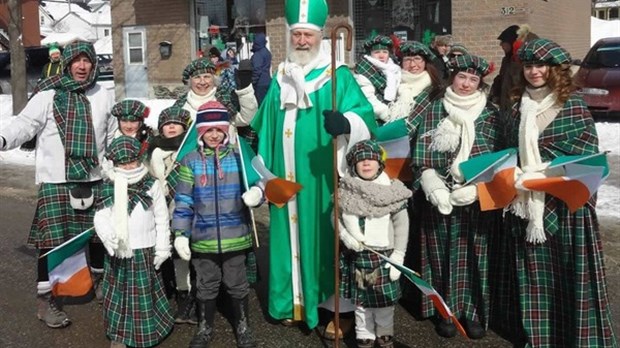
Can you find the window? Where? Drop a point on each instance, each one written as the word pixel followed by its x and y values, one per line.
pixel 134 45
pixel 106 32
pixel 42 22
pixel 232 18
pixel 600 14
pixel 613 13
pixel 432 11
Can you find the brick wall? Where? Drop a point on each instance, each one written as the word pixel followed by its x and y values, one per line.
pixel 31 35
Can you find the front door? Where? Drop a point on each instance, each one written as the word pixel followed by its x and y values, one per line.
pixel 136 79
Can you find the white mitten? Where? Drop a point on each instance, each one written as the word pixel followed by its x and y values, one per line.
pixel 527 176
pixel 465 195
pixel 436 191
pixel 253 197
pixel 110 243
pixel 160 257
pixel 181 244
pixel 398 257
pixel 350 241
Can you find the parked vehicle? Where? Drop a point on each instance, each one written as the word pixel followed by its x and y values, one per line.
pixel 598 78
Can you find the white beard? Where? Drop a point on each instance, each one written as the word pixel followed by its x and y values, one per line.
pixel 303 57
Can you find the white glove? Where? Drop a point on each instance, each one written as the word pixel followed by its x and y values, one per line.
pixel 253 197
pixel 110 244
pixel 181 244
pixel 465 195
pixel 160 257
pixel 436 191
pixel 398 257
pixel 350 241
pixel 527 176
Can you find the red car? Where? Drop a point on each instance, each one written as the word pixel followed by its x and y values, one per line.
pixel 599 78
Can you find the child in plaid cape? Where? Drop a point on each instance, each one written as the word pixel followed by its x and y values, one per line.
pixel 373 216
pixel 210 216
pixel 133 225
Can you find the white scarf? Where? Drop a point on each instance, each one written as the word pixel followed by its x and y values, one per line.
pixel 162 164
pixel 410 86
pixel 458 127
pixel 375 229
pixel 293 86
pixel 531 204
pixel 123 178
pixel 195 101
pixel 392 76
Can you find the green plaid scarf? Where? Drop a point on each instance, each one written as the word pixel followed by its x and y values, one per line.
pixel 73 114
pixel 137 193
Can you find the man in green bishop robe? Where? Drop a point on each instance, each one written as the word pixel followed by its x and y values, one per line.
pixel 295 127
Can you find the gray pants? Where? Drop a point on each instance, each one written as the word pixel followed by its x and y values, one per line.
pixel 214 269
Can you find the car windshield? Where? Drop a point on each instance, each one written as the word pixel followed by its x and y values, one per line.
pixel 607 56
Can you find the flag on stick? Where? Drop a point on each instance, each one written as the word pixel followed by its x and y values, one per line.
pixel 393 137
pixel 68 270
pixel 493 174
pixel 277 190
pixel 427 290
pixel 583 175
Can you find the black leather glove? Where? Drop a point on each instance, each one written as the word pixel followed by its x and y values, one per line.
pixel 243 75
pixel 30 145
pixel 335 123
pixel 143 132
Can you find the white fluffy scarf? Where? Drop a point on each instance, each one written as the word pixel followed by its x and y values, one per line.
pixel 410 86
pixel 531 204
pixel 195 101
pixel 162 164
pixel 123 178
pixel 458 127
pixel 293 87
pixel 392 76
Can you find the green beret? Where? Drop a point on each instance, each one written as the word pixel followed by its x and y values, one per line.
pixel 470 64
pixel 124 149
pixel 543 51
pixel 130 110
pixel 174 114
pixel 415 48
pixel 378 42
pixel 197 67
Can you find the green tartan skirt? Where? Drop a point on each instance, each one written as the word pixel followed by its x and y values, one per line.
pixel 365 280
pixel 136 311
pixel 55 221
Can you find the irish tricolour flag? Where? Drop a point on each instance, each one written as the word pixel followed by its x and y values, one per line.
pixel 493 174
pixel 583 175
pixel 69 274
pixel 394 139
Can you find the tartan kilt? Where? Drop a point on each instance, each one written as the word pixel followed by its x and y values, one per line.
pixel 383 293
pixel 136 311
pixel 55 221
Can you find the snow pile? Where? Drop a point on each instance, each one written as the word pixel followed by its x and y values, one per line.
pixel 601 28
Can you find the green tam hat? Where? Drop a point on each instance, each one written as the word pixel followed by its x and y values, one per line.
pixel 543 51
pixel 197 67
pixel 174 114
pixel 130 110
pixel 365 149
pixel 470 64
pixel 124 149
pixel 378 42
pixel 415 48
pixel 306 14
pixel 458 48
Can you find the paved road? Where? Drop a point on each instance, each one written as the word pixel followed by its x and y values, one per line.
pixel 19 327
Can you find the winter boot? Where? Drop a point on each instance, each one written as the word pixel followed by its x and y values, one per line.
pixel 473 329
pixel 445 328
pixel 98 284
pixel 186 308
pixel 206 314
pixel 241 321
pixel 49 312
pixel 385 341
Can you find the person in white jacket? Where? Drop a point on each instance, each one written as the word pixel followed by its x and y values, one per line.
pixel 132 221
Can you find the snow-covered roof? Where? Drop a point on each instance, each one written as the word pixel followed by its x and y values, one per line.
pixel 104 45
pixel 606 4
pixel 60 10
pixel 62 38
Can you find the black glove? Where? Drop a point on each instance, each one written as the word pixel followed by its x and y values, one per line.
pixel 143 132
pixel 243 75
pixel 335 123
pixel 30 145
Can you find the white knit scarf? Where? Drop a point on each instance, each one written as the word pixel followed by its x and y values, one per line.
pixel 195 100
pixel 531 204
pixel 392 76
pixel 162 164
pixel 293 86
pixel 458 127
pixel 123 178
pixel 374 228
pixel 410 86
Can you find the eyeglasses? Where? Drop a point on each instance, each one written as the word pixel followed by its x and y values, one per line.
pixel 452 55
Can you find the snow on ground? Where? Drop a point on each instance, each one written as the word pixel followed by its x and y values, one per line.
pixel 601 28
pixel 609 140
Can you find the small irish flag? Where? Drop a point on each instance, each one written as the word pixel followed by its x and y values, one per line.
pixel 68 271
pixel 493 173
pixel 427 290
pixel 393 137
pixel 583 175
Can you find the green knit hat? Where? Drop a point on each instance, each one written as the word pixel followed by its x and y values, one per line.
pixel 415 48
pixel 130 110
pixel 543 51
pixel 174 114
pixel 378 42
pixel 306 14
pixel 470 64
pixel 197 67
pixel 124 149
pixel 53 48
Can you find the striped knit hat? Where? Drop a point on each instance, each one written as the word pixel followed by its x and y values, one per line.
pixel 212 114
pixel 124 149
pixel 130 110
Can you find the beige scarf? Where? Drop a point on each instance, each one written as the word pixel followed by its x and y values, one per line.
pixel 458 127
pixel 531 204
pixel 411 85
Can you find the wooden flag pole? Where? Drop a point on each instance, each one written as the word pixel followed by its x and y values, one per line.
pixel 334 38
pixel 247 188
